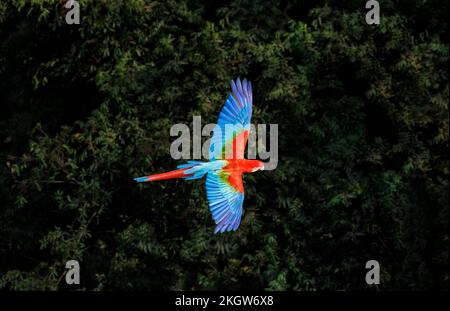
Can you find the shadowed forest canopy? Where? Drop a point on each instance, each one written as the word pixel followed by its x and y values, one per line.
pixel 363 144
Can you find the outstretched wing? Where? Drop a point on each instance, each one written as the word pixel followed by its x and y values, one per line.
pixel 231 132
pixel 225 192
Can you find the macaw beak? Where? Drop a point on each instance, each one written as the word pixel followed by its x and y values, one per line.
pixel 262 168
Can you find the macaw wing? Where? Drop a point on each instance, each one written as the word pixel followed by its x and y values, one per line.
pixel 225 192
pixel 231 132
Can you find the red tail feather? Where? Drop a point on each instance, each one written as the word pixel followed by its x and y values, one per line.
pixel 168 175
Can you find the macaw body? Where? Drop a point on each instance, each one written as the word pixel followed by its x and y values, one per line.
pixel 224 186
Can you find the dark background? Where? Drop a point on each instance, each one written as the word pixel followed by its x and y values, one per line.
pixel 363 144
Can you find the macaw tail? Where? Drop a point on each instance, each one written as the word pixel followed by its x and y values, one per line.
pixel 169 175
pixel 191 170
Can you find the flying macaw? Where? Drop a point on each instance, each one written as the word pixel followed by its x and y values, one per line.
pixel 224 187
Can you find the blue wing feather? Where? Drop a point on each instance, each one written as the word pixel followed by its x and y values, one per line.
pixel 225 203
pixel 234 118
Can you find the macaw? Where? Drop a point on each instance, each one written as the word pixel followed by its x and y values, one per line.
pixel 224 186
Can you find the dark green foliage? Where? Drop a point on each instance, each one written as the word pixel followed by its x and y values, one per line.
pixel 363 121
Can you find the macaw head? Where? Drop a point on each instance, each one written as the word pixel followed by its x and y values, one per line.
pixel 259 166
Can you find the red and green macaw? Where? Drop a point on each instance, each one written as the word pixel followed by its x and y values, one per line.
pixel 224 187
